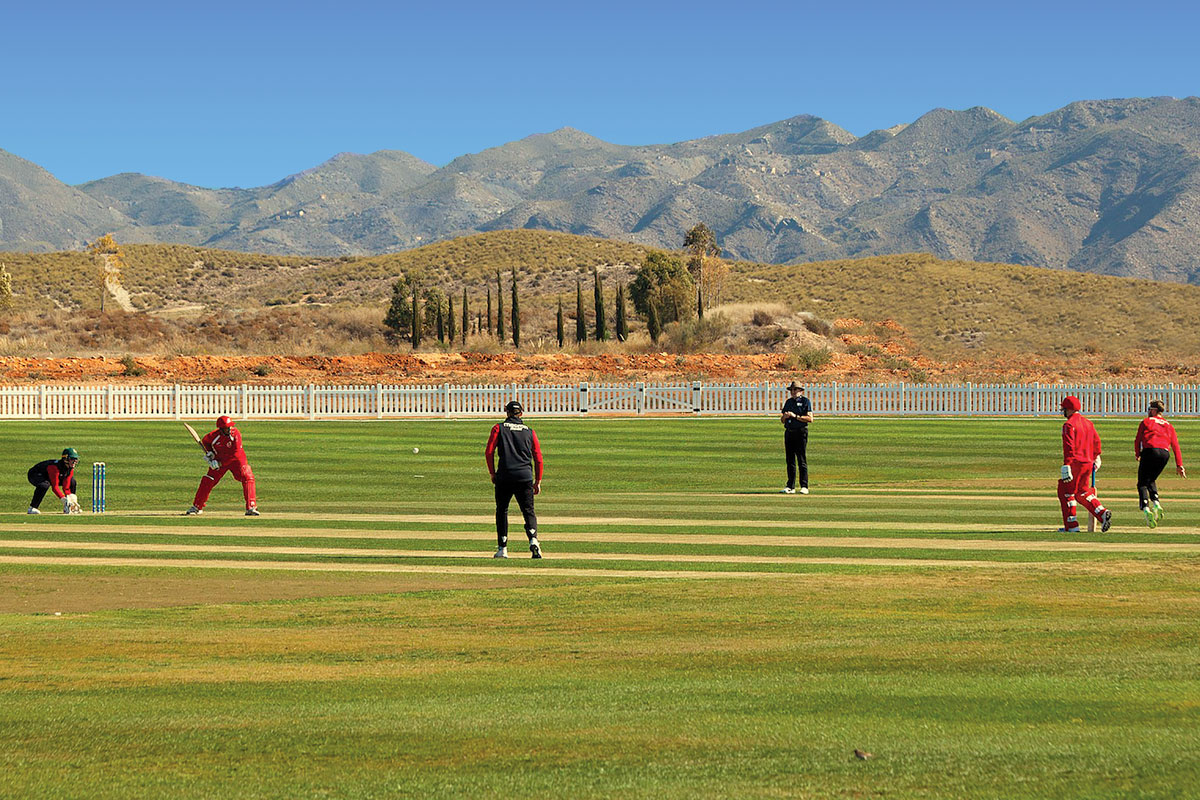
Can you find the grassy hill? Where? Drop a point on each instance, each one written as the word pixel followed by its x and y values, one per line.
pixel 950 309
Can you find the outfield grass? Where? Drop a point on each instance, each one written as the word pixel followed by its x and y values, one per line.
pixel 690 632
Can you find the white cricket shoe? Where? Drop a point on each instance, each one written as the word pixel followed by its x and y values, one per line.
pixel 252 511
pixel 33 510
pixel 535 549
pixel 193 511
pixel 803 490
pixel 787 490
pixel 501 552
pixel 1105 521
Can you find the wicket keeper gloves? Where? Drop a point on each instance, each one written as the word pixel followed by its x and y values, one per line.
pixel 71 505
pixel 1066 472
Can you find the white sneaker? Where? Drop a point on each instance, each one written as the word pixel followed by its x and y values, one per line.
pixel 787 490
pixel 193 511
pixel 252 511
pixel 535 549
pixel 501 552
pixel 803 490
pixel 32 510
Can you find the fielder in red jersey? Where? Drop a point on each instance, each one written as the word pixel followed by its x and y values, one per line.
pixel 1152 447
pixel 1081 454
pixel 225 454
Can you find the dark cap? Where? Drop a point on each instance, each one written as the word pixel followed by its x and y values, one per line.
pixel 512 407
pixel 794 385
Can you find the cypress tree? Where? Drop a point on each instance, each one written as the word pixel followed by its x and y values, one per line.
pixel 516 313
pixel 580 321
pixel 416 318
pixel 601 322
pixel 560 322
pixel 622 326
pixel 699 304
pixel 489 330
pixel 446 329
pixel 466 320
pixel 652 322
pixel 499 308
pixel 478 323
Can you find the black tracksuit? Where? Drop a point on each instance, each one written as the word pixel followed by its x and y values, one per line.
pixel 520 457
pixel 795 440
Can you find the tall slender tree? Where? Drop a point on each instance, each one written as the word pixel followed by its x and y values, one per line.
pixel 580 320
pixel 701 242
pixel 112 263
pixel 622 324
pixel 560 323
pixel 466 318
pixel 601 321
pixel 652 324
pixel 415 336
pixel 699 303
pixel 450 321
pixel 489 318
pixel 516 313
pixel 499 308
pixel 6 292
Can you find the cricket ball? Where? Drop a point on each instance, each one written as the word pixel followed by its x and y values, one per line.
pixel 416 450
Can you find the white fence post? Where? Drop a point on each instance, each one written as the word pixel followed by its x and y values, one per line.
pixel 108 401
pixel 310 396
pixel 639 398
pixel 697 397
pixel 583 398
pixel 41 401
pixel 379 401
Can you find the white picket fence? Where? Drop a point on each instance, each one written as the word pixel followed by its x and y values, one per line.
pixel 387 401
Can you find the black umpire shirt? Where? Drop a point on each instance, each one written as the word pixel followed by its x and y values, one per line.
pixel 801 406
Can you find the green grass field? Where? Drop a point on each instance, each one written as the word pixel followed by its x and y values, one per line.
pixel 690 633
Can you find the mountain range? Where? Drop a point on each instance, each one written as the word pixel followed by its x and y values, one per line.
pixel 1110 186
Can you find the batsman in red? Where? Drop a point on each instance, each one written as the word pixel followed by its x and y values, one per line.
pixel 1081 454
pixel 223 448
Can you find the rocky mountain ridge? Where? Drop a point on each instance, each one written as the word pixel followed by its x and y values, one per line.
pixel 1108 186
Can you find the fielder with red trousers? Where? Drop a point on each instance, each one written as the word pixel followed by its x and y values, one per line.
pixel 223 448
pixel 1150 447
pixel 1081 454
pixel 519 475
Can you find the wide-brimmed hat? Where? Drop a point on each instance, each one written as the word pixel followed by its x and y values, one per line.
pixel 794 385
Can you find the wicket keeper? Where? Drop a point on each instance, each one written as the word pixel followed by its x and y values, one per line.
pixel 223 450
pixel 519 475
pixel 1081 454
pixel 57 475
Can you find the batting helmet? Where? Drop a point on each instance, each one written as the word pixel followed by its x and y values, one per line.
pixel 1071 403
pixel 224 422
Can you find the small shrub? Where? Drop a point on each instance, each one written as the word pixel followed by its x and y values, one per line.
pixel 131 367
pixel 262 370
pixel 808 358
pixel 868 350
pixel 761 318
pixel 770 337
pixel 917 375
pixel 234 375
pixel 821 327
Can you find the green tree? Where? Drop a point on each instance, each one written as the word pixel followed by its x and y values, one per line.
pixel 664 283
pixel 399 314
pixel 111 262
pixel 622 324
pixel 499 308
pixel 435 309
pixel 441 325
pixel 652 324
pixel 580 320
pixel 598 296
pixel 466 318
pixel 489 328
pixel 450 319
pixel 6 291
pixel 415 333
pixel 516 313
pixel 560 323
pixel 701 244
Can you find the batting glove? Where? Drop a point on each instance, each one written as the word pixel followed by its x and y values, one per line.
pixel 1097 462
pixel 212 461
pixel 1066 472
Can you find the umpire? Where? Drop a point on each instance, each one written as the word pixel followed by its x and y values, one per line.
pixel 519 475
pixel 795 416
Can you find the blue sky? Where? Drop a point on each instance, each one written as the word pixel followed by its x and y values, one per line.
pixel 226 94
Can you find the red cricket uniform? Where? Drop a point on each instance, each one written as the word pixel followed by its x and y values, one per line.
pixel 228 450
pixel 1081 448
pixel 1157 432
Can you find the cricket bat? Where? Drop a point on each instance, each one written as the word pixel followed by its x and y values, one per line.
pixel 1092 519
pixel 196 436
